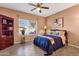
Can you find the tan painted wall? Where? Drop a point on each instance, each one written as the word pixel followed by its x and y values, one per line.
pixel 16 14
pixel 71 23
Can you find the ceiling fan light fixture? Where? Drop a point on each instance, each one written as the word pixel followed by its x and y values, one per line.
pixel 38 9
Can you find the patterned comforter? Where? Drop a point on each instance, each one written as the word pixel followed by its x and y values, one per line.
pixel 48 43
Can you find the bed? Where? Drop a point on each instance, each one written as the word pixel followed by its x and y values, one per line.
pixel 51 41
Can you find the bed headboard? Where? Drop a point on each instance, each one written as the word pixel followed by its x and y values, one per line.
pixel 65 34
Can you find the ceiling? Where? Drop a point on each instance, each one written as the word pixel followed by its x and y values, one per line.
pixel 24 7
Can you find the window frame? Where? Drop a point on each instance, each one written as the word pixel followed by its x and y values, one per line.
pixel 29 20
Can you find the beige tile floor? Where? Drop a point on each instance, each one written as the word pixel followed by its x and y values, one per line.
pixel 29 49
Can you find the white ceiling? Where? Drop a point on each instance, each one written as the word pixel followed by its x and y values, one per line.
pixel 24 7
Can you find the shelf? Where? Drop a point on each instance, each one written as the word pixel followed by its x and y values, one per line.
pixel 6 32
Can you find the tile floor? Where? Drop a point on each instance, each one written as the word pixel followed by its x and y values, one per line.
pixel 29 49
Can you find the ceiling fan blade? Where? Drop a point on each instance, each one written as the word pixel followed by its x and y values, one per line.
pixel 39 3
pixel 33 9
pixel 32 4
pixel 45 7
pixel 40 11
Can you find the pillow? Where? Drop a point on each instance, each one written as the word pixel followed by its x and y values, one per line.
pixel 57 33
pixel 51 32
pixel 61 33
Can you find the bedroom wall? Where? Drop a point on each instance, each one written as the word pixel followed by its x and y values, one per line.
pixel 16 14
pixel 71 23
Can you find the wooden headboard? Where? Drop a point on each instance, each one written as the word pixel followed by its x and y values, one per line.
pixel 66 35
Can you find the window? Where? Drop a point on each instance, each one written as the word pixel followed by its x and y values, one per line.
pixel 29 26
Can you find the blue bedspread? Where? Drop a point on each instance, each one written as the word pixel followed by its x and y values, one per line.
pixel 57 40
pixel 46 45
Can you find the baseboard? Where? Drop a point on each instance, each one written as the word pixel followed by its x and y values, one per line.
pixel 74 46
pixel 16 42
pixel 20 42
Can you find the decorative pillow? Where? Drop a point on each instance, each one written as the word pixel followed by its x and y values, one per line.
pixel 61 33
pixel 57 33
pixel 51 32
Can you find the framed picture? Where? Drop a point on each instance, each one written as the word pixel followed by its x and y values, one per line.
pixel 59 23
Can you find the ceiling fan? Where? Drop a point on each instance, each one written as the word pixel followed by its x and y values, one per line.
pixel 38 6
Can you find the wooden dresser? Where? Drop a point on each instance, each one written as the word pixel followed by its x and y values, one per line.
pixel 6 32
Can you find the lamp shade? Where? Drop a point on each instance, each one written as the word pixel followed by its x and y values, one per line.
pixel 45 27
